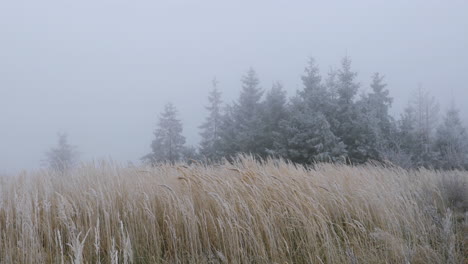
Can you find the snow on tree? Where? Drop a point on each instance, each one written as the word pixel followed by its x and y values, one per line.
pixel 229 145
pixel 274 111
pixel 190 154
pixel 401 139
pixel 307 137
pixel 427 113
pixel 350 124
pixel 451 141
pixel 331 84
pixel 377 125
pixel 314 94
pixel 347 85
pixel 243 120
pixel 323 122
pixel 306 133
pixel 210 129
pixel 62 157
pixel 168 145
pixel 380 103
pixel 419 124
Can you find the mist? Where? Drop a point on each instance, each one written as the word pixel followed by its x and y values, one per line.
pixel 102 71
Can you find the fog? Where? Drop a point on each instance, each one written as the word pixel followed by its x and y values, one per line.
pixel 103 70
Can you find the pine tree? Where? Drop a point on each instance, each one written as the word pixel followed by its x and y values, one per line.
pixel 210 142
pixel 63 157
pixel 349 120
pixel 228 133
pixel 274 111
pixel 401 140
pixel 168 145
pixel 416 129
pixel 426 112
pixel 451 141
pixel 307 137
pixel 406 140
pixel 347 86
pixel 314 94
pixel 306 133
pixel 377 125
pixel 380 103
pixel 331 84
pixel 242 127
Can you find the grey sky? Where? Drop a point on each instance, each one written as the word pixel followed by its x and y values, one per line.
pixel 102 70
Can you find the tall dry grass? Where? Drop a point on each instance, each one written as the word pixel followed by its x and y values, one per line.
pixel 246 212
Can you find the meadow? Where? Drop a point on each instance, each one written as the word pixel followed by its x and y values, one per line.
pixel 241 212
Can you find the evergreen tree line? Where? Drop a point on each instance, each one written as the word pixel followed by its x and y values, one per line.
pixel 325 121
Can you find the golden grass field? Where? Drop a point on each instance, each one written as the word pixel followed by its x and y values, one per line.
pixel 245 212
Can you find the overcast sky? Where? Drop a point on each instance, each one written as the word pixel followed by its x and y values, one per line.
pixel 102 70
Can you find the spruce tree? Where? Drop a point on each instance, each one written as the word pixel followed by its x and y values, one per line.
pixel 306 132
pixel 228 134
pixel 62 157
pixel 168 145
pixel 451 141
pixel 274 111
pixel 314 93
pixel 242 127
pixel 331 84
pixel 210 130
pixel 406 141
pixel 347 87
pixel 426 111
pixel 377 125
pixel 349 120
pixel 307 137
pixel 380 103
pixel 416 129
